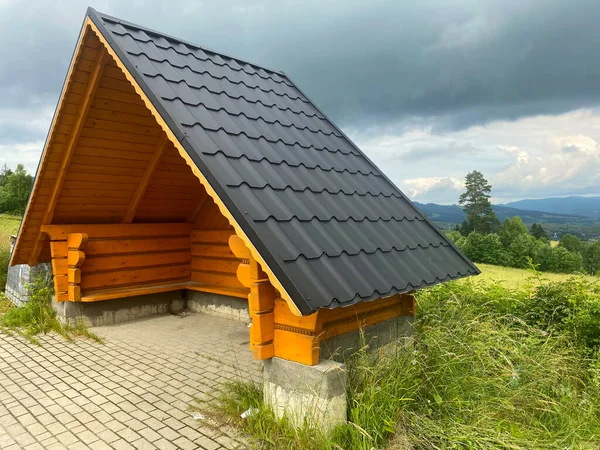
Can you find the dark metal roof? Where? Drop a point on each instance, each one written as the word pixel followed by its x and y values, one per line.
pixel 330 225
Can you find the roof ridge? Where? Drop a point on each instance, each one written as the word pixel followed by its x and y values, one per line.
pixel 114 19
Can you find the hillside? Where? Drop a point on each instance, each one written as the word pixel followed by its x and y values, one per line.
pixel 454 214
pixel 447 216
pixel 580 206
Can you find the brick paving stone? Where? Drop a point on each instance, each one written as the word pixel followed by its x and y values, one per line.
pixel 134 391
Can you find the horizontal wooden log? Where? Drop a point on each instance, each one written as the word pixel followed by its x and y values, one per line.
pixel 133 276
pixel 137 260
pixel 118 230
pixel 109 247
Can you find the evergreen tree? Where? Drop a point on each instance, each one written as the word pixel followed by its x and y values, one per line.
pixel 476 204
pixel 538 232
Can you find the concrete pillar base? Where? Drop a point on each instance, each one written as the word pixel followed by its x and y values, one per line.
pixel 306 395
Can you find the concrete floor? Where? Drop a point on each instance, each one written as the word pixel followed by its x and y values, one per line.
pixel 133 391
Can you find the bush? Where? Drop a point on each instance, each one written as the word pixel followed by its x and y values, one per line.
pixel 484 248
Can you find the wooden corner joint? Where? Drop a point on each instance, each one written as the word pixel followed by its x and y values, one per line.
pixel 76 242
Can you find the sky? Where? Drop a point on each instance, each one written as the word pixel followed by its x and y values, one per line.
pixel 429 90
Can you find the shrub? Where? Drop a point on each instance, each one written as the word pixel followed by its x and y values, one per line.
pixel 484 248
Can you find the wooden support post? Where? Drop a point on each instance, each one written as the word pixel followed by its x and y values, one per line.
pixel 146 178
pixel 93 82
pixel 75 258
pixel 261 300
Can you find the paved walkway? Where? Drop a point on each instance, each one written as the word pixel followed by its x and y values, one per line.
pixel 133 391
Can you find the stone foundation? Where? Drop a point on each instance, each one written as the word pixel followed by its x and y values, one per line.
pixel 232 308
pixel 382 335
pixel 108 312
pixel 311 395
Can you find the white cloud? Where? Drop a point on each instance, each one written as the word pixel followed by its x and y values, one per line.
pixel 534 157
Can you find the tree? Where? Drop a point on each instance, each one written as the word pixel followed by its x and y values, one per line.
pixel 476 204
pixel 570 242
pixel 15 190
pixel 591 258
pixel 484 248
pixel 511 229
pixel 538 232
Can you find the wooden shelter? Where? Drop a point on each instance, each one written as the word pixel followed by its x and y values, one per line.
pixel 169 167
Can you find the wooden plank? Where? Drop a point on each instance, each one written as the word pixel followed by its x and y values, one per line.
pixel 147 288
pixel 117 230
pixel 125 117
pixel 73 209
pixel 94 133
pixel 215 265
pixel 100 143
pixel 123 127
pixel 124 97
pixel 133 276
pixel 133 154
pixel 105 179
pixel 296 347
pixel 214 250
pixel 104 170
pixel 194 215
pixel 60 266
pixel 92 200
pixel 98 247
pixel 92 192
pixel 211 236
pixel 106 104
pixel 107 161
pixel 92 86
pixel 216 278
pixel 138 260
pixel 61 283
pixel 145 181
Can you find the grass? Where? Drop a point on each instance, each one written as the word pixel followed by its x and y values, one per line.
pixel 512 278
pixel 488 370
pixel 37 316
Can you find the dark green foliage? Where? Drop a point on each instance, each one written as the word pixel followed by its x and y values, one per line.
pixel 538 232
pixel 570 243
pixel 476 204
pixel 15 188
pixel 484 248
pixel 591 258
pixel 511 229
pixel 513 246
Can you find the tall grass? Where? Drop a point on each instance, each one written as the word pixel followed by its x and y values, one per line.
pixel 37 317
pixel 484 372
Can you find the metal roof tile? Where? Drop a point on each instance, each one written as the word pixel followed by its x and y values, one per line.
pixel 331 226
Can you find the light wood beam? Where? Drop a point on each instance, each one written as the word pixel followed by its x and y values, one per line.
pixel 197 210
pixel 93 82
pixel 146 178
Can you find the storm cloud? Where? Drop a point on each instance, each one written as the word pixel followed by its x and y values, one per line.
pixel 378 68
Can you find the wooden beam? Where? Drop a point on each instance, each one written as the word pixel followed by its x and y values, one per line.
pixel 197 210
pixel 103 58
pixel 146 178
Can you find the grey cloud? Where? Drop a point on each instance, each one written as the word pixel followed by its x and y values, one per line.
pixel 445 64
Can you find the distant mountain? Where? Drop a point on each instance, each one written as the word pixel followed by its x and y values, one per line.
pixel 579 206
pixel 453 214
